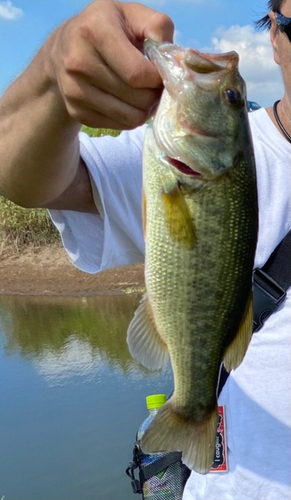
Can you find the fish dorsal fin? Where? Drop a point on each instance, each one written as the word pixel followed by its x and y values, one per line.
pixel 144 341
pixel 235 352
pixel 178 219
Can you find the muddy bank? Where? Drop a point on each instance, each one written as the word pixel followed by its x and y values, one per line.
pixel 48 271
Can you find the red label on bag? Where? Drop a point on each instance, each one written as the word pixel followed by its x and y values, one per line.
pixel 220 456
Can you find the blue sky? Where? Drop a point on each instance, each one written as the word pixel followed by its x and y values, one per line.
pixel 211 25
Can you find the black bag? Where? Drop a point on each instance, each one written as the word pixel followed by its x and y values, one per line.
pixel 167 474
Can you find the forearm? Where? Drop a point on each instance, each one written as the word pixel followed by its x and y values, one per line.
pixel 39 149
pixel 77 77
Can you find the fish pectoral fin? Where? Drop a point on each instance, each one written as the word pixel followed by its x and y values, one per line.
pixel 144 341
pixel 178 220
pixel 235 352
pixel 169 431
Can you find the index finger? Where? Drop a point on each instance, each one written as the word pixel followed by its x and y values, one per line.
pixel 123 51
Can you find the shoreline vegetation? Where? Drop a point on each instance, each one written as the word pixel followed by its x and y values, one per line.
pixel 23 228
pixel 33 261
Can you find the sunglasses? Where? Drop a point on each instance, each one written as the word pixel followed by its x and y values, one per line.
pixel 284 24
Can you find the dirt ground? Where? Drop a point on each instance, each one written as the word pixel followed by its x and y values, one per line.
pixel 48 271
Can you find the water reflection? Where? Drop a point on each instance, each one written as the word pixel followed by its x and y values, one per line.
pixel 67 337
pixel 72 397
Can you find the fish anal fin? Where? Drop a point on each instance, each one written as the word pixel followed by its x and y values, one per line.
pixel 178 220
pixel 144 341
pixel 235 352
pixel 169 431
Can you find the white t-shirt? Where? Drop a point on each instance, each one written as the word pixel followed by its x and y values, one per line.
pixel 257 394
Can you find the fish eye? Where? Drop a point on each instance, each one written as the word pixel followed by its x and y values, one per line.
pixel 233 96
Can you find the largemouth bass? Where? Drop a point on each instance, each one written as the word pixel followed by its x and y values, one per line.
pixel 200 225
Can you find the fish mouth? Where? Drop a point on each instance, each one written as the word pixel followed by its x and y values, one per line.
pixel 169 58
pixel 173 128
pixel 179 66
pixel 182 167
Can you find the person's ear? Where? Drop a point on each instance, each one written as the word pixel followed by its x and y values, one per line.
pixel 274 36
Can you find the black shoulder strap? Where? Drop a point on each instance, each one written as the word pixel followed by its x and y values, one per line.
pixel 278 265
pixel 270 284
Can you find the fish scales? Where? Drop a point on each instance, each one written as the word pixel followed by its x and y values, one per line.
pixel 200 222
pixel 196 292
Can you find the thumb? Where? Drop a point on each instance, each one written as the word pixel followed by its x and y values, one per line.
pixel 160 28
pixel 126 34
pixel 149 23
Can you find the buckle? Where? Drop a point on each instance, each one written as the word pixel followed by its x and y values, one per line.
pixel 267 296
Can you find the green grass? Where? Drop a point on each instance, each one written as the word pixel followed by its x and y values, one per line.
pixel 20 227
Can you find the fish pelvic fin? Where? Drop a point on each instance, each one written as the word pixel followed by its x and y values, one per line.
pixel 144 341
pixel 178 220
pixel 235 352
pixel 170 431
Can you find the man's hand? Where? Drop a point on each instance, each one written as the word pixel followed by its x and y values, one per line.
pixel 90 71
pixel 96 61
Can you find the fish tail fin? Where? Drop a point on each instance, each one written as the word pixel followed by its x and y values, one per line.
pixel 170 431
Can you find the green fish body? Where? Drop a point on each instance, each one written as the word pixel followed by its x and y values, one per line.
pixel 200 224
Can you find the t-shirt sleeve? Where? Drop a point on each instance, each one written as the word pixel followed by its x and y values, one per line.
pixel 114 238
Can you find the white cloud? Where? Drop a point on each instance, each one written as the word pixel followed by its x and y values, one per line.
pixel 9 12
pixel 257 67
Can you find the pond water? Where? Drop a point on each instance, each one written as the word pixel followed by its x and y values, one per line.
pixel 71 398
